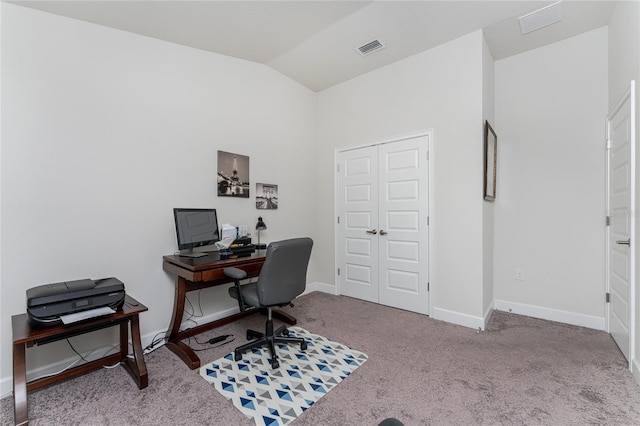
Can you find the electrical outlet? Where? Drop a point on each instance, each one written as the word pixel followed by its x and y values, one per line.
pixel 520 274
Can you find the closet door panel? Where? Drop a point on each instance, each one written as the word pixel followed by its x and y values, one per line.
pixel 403 237
pixel 357 245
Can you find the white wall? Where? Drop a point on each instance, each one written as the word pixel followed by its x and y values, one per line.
pixel 624 48
pixel 104 132
pixel 551 105
pixel 624 66
pixel 439 89
pixel 488 210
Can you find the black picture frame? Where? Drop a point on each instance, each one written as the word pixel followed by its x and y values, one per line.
pixel 490 161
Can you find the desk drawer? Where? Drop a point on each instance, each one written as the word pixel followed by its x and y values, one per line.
pixel 252 270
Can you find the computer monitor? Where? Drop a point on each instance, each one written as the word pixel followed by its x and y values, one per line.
pixel 195 228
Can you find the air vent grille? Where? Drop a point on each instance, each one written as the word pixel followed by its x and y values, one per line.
pixel 541 18
pixel 370 47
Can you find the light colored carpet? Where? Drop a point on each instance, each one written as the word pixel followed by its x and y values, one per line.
pixel 520 371
pixel 276 397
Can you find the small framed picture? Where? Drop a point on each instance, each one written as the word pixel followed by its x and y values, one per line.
pixel 266 196
pixel 490 162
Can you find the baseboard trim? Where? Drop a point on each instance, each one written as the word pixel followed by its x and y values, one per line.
pixel 635 370
pixel 458 318
pixel 6 387
pixel 598 323
pixel 589 321
pixel 322 287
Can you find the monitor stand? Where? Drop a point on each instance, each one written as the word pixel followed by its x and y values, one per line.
pixel 192 254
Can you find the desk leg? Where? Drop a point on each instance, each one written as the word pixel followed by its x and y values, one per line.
pixel 185 353
pixel 124 340
pixel 178 309
pixel 136 367
pixel 20 409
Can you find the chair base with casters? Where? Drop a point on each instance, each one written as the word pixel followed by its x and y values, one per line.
pixel 269 338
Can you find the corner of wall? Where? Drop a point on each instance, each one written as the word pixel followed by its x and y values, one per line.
pixel 488 208
pixel 321 287
pixel 458 318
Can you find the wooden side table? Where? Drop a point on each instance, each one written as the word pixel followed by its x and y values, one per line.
pixel 25 336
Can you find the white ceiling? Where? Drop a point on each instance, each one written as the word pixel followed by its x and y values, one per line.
pixel 314 42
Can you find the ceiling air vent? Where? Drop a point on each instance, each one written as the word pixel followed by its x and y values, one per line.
pixel 370 47
pixel 541 18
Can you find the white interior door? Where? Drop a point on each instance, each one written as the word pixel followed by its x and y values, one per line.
pixel 356 239
pixel 382 240
pixel 403 220
pixel 621 230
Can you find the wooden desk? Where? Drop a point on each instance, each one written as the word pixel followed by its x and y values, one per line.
pixel 204 272
pixel 25 336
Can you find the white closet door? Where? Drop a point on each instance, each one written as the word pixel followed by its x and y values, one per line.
pixel 357 238
pixel 382 235
pixel 621 232
pixel 403 237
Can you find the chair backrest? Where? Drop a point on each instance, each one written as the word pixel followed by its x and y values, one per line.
pixel 284 273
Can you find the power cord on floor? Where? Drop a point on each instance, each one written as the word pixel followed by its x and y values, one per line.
pixel 222 340
pixel 160 338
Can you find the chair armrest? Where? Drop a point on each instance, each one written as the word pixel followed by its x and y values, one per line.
pixel 235 273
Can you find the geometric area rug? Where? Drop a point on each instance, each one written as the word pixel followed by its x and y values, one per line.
pixel 277 397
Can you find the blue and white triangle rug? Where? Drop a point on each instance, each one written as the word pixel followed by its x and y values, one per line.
pixel 276 397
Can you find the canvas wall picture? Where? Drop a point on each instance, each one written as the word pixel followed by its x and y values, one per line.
pixel 233 175
pixel 266 196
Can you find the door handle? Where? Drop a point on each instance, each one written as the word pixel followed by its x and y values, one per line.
pixel 625 242
pixel 372 231
pixel 382 232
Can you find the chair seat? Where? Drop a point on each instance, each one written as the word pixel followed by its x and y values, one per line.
pixel 249 294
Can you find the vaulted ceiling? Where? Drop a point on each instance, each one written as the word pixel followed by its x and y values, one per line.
pixel 315 42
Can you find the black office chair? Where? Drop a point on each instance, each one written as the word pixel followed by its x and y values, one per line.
pixel 282 278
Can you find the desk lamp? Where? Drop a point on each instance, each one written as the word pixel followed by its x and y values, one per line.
pixel 260 226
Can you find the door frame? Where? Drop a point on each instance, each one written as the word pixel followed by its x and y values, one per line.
pixel 628 96
pixel 430 209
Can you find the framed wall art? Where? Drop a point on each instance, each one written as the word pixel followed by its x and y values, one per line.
pixel 233 175
pixel 490 162
pixel 266 196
